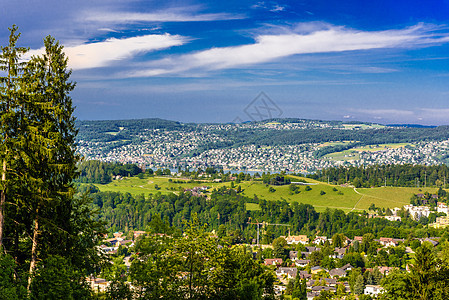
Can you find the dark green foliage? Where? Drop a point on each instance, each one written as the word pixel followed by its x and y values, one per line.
pixel 11 286
pixel 279 248
pixel 97 130
pixel 300 289
pixel 56 278
pixel 424 273
pixel 331 149
pixel 49 232
pixel 275 179
pixel 393 175
pixel 209 271
pixel 428 277
pixel 359 285
pixel 119 289
pixel 94 171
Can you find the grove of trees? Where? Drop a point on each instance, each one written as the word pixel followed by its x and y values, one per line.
pixel 47 235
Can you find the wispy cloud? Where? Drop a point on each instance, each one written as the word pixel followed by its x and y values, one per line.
pixel 159 16
pixel 277 46
pixel 271 6
pixel 101 54
pixel 384 112
pixel 436 113
pixel 429 115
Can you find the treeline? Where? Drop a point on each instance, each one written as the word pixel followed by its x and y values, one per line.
pixel 331 149
pixel 312 135
pixel 100 131
pixel 275 179
pixel 95 171
pixel 406 175
pixel 368 136
pixel 226 211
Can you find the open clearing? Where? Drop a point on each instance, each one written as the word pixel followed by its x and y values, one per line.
pixel 320 196
pixel 354 153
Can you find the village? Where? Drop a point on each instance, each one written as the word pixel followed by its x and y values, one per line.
pixel 172 149
pixel 333 264
pixel 301 255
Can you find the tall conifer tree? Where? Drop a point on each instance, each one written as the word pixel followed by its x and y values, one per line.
pixel 50 143
pixel 10 105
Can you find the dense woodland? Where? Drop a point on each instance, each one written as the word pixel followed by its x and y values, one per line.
pixel 406 175
pixel 94 171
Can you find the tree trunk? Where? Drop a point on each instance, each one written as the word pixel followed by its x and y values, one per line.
pixel 33 251
pixel 2 205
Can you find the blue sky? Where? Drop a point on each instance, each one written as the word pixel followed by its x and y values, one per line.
pixel 207 61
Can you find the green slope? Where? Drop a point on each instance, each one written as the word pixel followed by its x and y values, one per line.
pixel 345 198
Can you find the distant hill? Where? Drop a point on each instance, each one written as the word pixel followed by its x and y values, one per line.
pixel 289 131
pixel 411 125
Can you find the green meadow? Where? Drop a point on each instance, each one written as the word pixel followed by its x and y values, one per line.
pixel 321 195
pixel 353 153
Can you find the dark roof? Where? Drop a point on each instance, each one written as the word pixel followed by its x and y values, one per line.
pixel 337 272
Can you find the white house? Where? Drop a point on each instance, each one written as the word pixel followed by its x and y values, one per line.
pixel 373 290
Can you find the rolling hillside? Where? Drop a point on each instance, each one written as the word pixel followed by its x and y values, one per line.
pixel 321 195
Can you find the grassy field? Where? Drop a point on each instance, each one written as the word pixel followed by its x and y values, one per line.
pixel 135 185
pixel 344 155
pixel 363 126
pixel 353 154
pixel 327 144
pixel 320 196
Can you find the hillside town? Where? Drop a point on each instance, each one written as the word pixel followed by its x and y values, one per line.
pixel 186 149
pixel 340 254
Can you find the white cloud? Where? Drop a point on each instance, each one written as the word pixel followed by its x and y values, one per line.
pixel 437 113
pixel 274 47
pixel 101 54
pixel 160 16
pixel 277 8
pixel 385 112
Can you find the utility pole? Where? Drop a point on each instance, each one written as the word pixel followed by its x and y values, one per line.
pixel 425 178
pixel 264 224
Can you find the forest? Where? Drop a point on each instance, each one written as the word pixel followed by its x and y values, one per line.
pixel 406 175
pixel 94 171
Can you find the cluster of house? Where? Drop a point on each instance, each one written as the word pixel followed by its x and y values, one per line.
pixel 197 191
pixel 417 212
pixel 300 261
pixel 159 148
pixel 111 245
